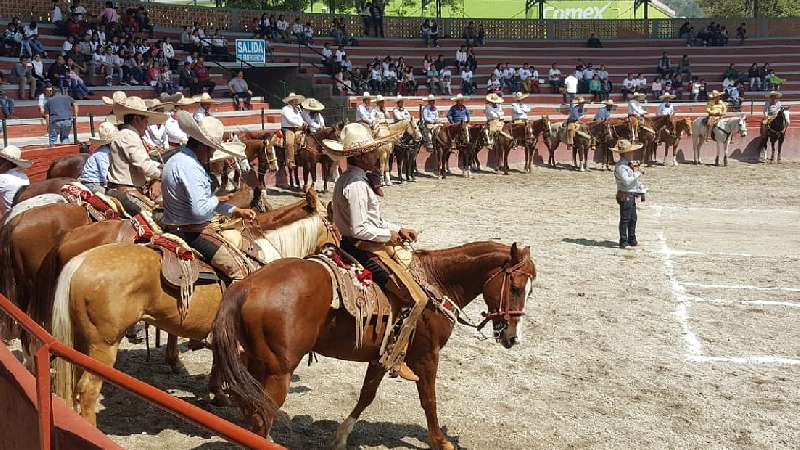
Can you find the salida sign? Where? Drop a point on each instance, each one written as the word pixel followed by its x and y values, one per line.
pixel 251 51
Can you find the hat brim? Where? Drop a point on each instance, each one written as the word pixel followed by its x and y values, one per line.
pixel 98 141
pixel 229 150
pixel 21 163
pixel 299 98
pixel 632 148
pixel 192 129
pixel 336 150
pixel 120 111
pixel 495 100
pixel 775 94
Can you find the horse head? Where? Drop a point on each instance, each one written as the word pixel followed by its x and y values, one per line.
pixel 505 293
pixel 462 133
pixel 742 125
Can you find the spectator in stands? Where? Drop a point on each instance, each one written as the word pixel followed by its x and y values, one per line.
pixel 445 81
pixel 467 82
pixel 432 79
pixel 12 40
pixel 57 17
pixel 508 81
pixel 641 84
pixel 773 81
pixel 754 77
pixel 240 92
pixel 376 16
pixel 461 57
pixel 186 78
pixel 38 73
pixel 168 52
pixel 470 34
pixel 200 72
pixel 219 45
pixel 656 88
pixel 481 36
pixel 30 40
pixel 57 73
pixel 525 80
pixel 109 17
pixel 336 32
pixel 66 46
pixel 593 41
pixel 686 33
pixel 493 85
pixel 628 86
pixel 366 19
pixel 59 111
pixel 347 65
pixel 375 78
pixel 664 67
pixel 143 19
pixel 472 61
pixel 588 74
pixel 409 82
pixel 695 89
pixel 6 103
pixel 390 80
pixel 595 88
pixel 77 10
pixel 283 28
pixel 77 86
pixel 297 30
pixel 186 41
pixel 731 72
pixel 23 73
pixel 554 78
pixel 430 32
pixel 308 34
pixel 741 33
pixel 570 88
pixel 112 66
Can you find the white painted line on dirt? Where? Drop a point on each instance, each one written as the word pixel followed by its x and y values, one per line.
pixel 747 302
pixel 730 210
pixel 778 360
pixel 740 286
pixel 694 253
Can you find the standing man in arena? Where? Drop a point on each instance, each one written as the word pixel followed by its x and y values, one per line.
pixel 399 112
pixel 627 176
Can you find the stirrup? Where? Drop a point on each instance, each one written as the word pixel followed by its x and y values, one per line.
pixel 403 371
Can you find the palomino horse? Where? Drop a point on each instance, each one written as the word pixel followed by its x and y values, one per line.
pixel 603 134
pixel 87 312
pixel 721 134
pixel 446 138
pixel 526 135
pixel 67 167
pixel 385 152
pixel 283 312
pixel 776 132
pixel 405 152
pixel 671 138
pixel 311 154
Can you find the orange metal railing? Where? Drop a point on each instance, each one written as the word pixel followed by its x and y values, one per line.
pixel 50 345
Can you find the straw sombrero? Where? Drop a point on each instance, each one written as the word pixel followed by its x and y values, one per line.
pixel 112 119
pixel 13 154
pixel 379 98
pixel 494 98
pixel 626 146
pixel 639 95
pixel 166 102
pixel 715 94
pixel 430 98
pixel 399 99
pixel 124 105
pixel 205 99
pixel 666 97
pixel 775 94
pixel 457 98
pixel 209 131
pixel 116 96
pixel 355 139
pixel 186 101
pixel 293 96
pixel 106 133
pixel 579 100
pixel 312 104
pixel 520 96
pixel 608 102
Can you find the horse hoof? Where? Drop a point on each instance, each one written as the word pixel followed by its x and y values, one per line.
pixel 221 400
pixel 176 367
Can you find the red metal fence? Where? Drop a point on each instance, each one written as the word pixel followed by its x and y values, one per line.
pixel 50 345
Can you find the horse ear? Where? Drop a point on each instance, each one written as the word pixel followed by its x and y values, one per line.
pixel 311 199
pixel 516 256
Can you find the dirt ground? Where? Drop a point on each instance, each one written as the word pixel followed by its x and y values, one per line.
pixel 686 342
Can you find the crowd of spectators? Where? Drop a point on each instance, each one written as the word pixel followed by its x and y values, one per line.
pixel 714 34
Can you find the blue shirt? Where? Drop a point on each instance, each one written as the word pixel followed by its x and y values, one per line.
pixel 458 114
pixel 96 168
pixel 602 114
pixel 186 189
pixel 575 112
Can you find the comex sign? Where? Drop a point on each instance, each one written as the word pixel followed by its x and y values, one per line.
pixel 589 12
pixel 251 51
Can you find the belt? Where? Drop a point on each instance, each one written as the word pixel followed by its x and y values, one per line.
pixel 194 228
pixel 291 128
pixel 61 120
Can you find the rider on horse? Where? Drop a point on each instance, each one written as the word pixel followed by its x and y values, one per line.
pixel 367 236
pixel 519 110
pixel 312 114
pixel 574 116
pixel 458 113
pixel 157 137
pixel 204 110
pixel 292 125
pixel 94 174
pixel 189 205
pixel 604 113
pixel 430 116
pixel 636 113
pixel 399 112
pixel 716 108
pixel 665 108
pixel 12 177
pixel 494 115
pixel 771 109
pixel 365 113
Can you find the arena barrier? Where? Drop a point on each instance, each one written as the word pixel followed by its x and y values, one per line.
pixel 70 428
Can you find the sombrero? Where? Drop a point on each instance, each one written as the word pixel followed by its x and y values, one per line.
pixel 367 97
pixel 112 119
pixel 293 96
pixel 186 101
pixel 399 99
pixel 106 133
pixel 166 102
pixel 520 96
pixel 206 99
pixel 209 131
pixel 379 98
pixel 457 98
pixel 775 94
pixel 580 100
pixel 715 94
pixel 13 154
pixel 608 102
pixel 124 105
pixel 312 104
pixel 494 98
pixel 430 98
pixel 626 146
pixel 355 139
pixel 640 95
pixel 116 96
pixel 666 96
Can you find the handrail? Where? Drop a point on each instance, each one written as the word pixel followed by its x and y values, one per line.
pixel 51 345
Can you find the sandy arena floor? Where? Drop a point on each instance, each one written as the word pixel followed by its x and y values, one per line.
pixel 688 341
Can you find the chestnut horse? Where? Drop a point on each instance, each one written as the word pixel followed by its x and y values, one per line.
pixel 49 186
pixel 526 135
pixel 311 154
pixel 67 167
pixel 88 312
pixel 283 312
pixel 671 138
pixel 604 137
pixel 446 138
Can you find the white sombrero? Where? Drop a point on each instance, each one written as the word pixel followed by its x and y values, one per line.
pixel 399 99
pixel 124 105
pixel 379 98
pixel 520 96
pixel 106 133
pixel 293 96
pixel 13 154
pixel 666 97
pixel 312 104
pixel 609 102
pixel 715 94
pixel 355 139
pixel 639 95
pixel 494 98
pixel 209 131
pixel 457 98
pixel 775 94
pixel 205 99
pixel 367 97
pixel 186 101
pixel 626 146
pixel 430 98
pixel 117 96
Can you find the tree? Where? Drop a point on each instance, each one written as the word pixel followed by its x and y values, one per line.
pixel 744 8
pixel 685 8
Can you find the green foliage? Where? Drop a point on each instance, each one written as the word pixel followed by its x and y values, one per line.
pixel 744 8
pixel 685 8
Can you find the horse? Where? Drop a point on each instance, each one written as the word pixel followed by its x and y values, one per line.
pixel 277 322
pixel 311 153
pixel 49 186
pixel 449 136
pixel 88 315
pixel 581 144
pixel 259 146
pixel 671 138
pixel 526 135
pixel 395 130
pixel 603 134
pixel 721 135
pixel 67 167
pixel 478 139
pixel 405 152
pixel 776 132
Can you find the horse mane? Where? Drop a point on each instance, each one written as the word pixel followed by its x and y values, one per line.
pixel 294 240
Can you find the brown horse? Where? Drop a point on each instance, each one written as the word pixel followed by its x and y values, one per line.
pixel 311 154
pixel 397 131
pixel 49 186
pixel 448 137
pixel 581 144
pixel 260 147
pixel 604 137
pixel 87 312
pixel 68 166
pixel 478 139
pixel 670 137
pixel 283 312
pixel 526 135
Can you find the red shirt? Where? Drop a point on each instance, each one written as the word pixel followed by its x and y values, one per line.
pixel 201 72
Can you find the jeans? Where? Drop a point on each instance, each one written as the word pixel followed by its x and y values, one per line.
pixel 7 106
pixel 627 219
pixel 59 131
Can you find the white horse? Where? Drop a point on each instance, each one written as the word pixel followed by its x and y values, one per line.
pixel 721 134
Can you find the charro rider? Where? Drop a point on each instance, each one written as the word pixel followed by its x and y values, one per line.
pixel 366 236
pixel 716 108
pixel 636 113
pixel 519 110
pixel 12 177
pixel 161 136
pixel 627 176
pixel 665 108
pixel 312 114
pixel 771 109
pixel 494 115
pixel 430 117
pixel 94 174
pixel 206 103
pixel 379 114
pixel 399 112
pixel 458 113
pixel 365 113
pixel 189 204
pixel 604 113
pixel 573 119
pixel 292 125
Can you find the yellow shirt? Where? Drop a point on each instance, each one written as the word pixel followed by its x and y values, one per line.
pixel 716 108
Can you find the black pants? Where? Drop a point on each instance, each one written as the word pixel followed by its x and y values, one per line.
pixel 627 219
pixel 366 259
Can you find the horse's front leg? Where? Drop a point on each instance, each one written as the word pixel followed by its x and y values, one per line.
pixel 426 367
pixel 772 153
pixel 780 147
pixel 372 380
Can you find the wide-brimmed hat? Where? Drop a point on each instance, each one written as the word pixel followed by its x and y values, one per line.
pixel 13 154
pixel 458 98
pixel 186 101
pixel 106 133
pixel 209 131
pixel 579 100
pixel 399 98
pixel 114 120
pixel 520 96
pixel 293 96
pixel 666 97
pixel 354 139
pixel 715 94
pixel 379 98
pixel 430 98
pixel 367 96
pixel 117 95
pixel 626 146
pixel 494 98
pixel 205 99
pixel 166 102
pixel 124 105
pixel 639 95
pixel 608 102
pixel 312 104
pixel 775 94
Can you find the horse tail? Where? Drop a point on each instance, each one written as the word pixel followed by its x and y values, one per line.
pixel 7 279
pixel 40 306
pixel 64 382
pixel 232 371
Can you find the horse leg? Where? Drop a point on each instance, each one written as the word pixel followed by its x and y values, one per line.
pixel 89 385
pixel 780 147
pixel 506 152
pixel 426 388
pixel 725 154
pixel 171 354
pixel 772 145
pixel 372 380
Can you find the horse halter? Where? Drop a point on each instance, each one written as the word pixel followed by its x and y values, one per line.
pixel 503 307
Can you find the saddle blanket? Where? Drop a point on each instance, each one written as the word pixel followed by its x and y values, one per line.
pixel 39 200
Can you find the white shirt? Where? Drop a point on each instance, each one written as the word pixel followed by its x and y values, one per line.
pixel 461 56
pixel 509 73
pixel 524 74
pixel 494 111
pixel 10 182
pixel 554 74
pixel 291 117
pixel 283 25
pixel 379 116
pixel 628 83
pixel 314 120
pixel 339 55
pixel 175 134
pixel 38 67
pixel 56 15
pixel 156 136
pixel 297 28
pixel 365 113
pixel 357 210
pixel 169 52
pixel 641 82
pixel 665 110
pixel 66 47
pixel 327 53
pixel 200 113
pixel 602 74
pixel 571 83
pixel 430 115
pixel 635 108
pixel 390 74
pixel 375 74
pixel 498 73
pixel 401 114
pixel 466 75
pixel 588 74
pixel 446 74
pixel 519 111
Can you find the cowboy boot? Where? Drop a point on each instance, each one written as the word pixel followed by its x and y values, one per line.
pixel 402 370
